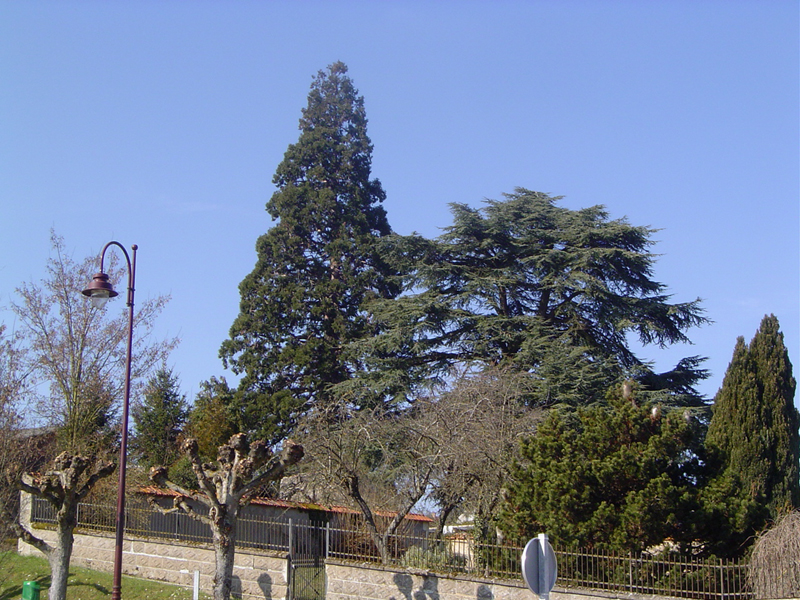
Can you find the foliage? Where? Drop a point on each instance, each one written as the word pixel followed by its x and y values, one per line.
pixel 80 350
pixel 182 474
pixel 619 476
pixel 527 284
pixel 85 584
pixel 210 421
pixel 774 568
pixel 754 433
pixel 437 558
pixel 303 301
pixel 158 421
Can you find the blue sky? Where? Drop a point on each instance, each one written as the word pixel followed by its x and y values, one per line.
pixel 162 123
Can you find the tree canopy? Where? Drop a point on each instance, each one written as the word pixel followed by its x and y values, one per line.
pixel 528 284
pixel 80 350
pixel 754 429
pixel 158 421
pixel 619 476
pixel 303 302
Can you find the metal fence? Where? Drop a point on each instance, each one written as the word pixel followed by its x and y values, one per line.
pixel 668 575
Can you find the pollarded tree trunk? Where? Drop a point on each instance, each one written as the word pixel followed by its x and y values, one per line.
pixel 224 539
pixel 241 468
pixel 59 559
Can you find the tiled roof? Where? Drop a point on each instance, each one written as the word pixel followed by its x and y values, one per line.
pixel 157 491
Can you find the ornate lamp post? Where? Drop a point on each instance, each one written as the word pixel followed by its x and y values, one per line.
pixel 100 291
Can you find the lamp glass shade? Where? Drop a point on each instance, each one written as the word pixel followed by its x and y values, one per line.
pixel 100 290
pixel 100 298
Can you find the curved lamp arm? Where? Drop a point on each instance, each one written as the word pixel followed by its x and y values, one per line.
pixel 100 290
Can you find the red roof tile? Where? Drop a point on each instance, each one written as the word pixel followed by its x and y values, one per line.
pixel 157 491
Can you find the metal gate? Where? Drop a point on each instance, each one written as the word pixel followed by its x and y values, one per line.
pixel 307 550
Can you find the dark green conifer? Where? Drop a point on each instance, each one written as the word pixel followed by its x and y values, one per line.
pixel 618 476
pixel 754 430
pixel 303 302
pixel 527 284
pixel 158 421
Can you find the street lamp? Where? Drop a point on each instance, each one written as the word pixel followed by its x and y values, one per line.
pixel 100 291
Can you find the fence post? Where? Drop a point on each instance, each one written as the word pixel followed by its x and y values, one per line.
pixel 327 539
pixel 630 571
pixel 721 581
pixel 291 537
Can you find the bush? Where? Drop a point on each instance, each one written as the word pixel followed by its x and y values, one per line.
pixel 774 570
pixel 437 558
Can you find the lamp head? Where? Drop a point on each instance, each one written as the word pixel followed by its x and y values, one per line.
pixel 100 290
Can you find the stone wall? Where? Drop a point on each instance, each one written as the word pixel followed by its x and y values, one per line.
pixel 368 582
pixel 259 576
pixel 263 575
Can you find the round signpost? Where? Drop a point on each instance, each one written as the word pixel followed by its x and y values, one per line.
pixel 539 569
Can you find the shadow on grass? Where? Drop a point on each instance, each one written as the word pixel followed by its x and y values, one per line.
pixel 100 588
pixel 16 593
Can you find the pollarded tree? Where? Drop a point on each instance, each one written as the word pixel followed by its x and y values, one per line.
pixel 158 421
pixel 303 302
pixel 754 426
pixel 528 284
pixel 224 488
pixel 64 486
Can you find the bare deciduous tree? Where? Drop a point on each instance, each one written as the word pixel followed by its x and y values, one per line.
pixel 80 350
pixel 225 487
pixel 14 378
pixel 477 425
pixel 374 461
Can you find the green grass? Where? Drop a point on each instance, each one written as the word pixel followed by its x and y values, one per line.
pixel 83 584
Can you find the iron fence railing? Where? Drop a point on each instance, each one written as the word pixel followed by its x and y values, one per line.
pixel 668 575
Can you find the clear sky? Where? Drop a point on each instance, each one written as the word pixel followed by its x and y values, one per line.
pixel 161 124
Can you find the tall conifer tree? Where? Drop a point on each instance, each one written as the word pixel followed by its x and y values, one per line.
pixel 754 427
pixel 159 420
pixel 303 302
pixel 525 283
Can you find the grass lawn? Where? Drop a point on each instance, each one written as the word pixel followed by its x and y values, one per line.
pixel 83 584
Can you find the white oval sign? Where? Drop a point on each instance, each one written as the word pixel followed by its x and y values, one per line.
pixel 539 569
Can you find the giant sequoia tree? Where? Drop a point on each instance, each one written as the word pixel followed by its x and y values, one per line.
pixel 528 284
pixel 754 429
pixel 303 302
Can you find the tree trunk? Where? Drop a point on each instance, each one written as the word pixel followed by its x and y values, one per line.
pixel 59 564
pixel 445 512
pixel 224 529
